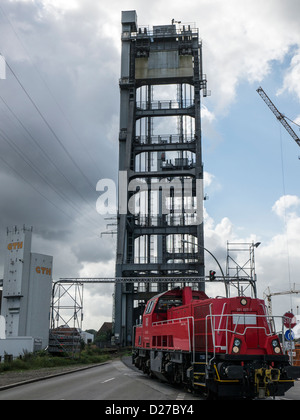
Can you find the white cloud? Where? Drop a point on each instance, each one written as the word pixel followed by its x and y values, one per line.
pixel 208 179
pixel 216 237
pixel 97 307
pixel 287 244
pixel 97 297
pixel 241 41
pixel 60 5
pixel 292 76
pixel 207 115
pixel 277 260
pixel 283 207
pixel 98 270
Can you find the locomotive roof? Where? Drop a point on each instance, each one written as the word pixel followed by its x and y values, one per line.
pixel 177 292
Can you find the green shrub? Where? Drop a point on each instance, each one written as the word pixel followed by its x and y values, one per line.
pixel 39 360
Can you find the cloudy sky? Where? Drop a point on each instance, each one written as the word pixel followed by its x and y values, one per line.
pixel 59 112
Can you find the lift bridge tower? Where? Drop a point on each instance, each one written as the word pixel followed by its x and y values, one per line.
pixel 160 213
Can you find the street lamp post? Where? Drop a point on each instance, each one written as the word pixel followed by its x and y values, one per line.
pixel 205 249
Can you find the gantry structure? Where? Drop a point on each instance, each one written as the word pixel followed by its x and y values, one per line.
pixel 160 212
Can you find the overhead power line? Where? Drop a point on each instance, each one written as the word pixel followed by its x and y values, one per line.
pixel 31 164
pixel 50 128
pixel 15 31
pixel 45 154
pixel 20 175
pixel 21 41
pixel 40 171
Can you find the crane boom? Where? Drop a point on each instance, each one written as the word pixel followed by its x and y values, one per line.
pixel 268 295
pixel 278 115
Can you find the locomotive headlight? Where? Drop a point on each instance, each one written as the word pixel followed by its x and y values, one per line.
pixel 276 346
pixel 236 345
pixel 243 302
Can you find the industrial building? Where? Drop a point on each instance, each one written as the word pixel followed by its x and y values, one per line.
pixel 160 213
pixel 26 296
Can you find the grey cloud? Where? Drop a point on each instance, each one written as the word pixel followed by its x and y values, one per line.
pixel 62 68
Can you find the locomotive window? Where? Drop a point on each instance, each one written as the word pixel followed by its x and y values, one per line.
pixel 150 307
pixel 244 319
pixel 165 304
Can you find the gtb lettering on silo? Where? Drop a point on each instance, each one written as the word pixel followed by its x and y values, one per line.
pixel 43 270
pixel 15 245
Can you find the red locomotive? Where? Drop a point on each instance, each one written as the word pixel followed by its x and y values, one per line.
pixel 223 346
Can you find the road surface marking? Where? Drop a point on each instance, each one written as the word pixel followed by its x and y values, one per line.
pixel 180 397
pixel 108 380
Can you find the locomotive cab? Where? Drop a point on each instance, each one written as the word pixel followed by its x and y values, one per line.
pixel 163 307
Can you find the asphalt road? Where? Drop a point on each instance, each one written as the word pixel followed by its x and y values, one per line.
pixel 113 381
pixel 293 393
